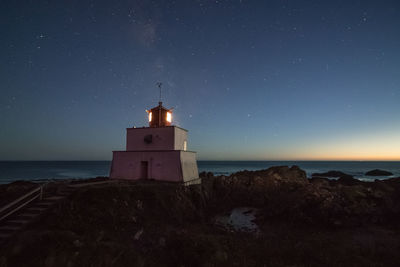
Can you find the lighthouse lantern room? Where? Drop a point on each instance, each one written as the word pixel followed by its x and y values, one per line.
pixel 159 116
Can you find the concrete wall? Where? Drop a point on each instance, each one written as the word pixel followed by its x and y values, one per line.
pixel 162 138
pixel 189 166
pixel 180 138
pixel 162 165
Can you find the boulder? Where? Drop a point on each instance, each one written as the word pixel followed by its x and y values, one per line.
pixel 394 182
pixel 252 188
pixel 330 174
pixel 320 180
pixel 378 172
pixel 272 177
pixel 348 180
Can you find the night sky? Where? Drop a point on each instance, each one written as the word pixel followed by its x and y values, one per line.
pixel 250 80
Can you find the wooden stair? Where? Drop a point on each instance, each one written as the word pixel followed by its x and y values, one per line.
pixel 30 209
pixel 30 213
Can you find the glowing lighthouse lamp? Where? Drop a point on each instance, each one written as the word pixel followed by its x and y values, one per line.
pixel 156 152
pixel 169 116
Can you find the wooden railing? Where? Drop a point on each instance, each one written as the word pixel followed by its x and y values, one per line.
pixel 21 202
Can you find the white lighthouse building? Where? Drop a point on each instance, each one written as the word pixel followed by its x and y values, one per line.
pixel 156 152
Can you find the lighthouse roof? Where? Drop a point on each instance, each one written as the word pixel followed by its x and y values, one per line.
pixel 160 106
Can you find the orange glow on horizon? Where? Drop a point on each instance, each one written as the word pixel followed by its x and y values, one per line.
pixel 371 146
pixel 341 158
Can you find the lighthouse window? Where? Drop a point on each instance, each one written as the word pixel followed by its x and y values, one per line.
pixel 169 117
pixel 150 116
pixel 184 145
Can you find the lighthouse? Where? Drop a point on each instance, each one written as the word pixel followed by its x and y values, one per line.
pixel 157 152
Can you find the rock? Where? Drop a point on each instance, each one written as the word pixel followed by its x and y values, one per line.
pixel 378 172
pixel 206 174
pixel 330 174
pixel 138 234
pixel 139 204
pixel 393 182
pixel 78 243
pixel 322 181
pixel 276 176
pixel 221 256
pixel 272 178
pixel 253 188
pixel 100 236
pixel 348 180
pixel 50 261
pixel 162 241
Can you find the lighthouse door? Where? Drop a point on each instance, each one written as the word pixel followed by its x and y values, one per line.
pixel 144 169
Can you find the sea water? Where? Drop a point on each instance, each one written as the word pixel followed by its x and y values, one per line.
pixel 42 170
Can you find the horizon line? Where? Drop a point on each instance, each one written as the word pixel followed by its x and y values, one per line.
pixel 274 160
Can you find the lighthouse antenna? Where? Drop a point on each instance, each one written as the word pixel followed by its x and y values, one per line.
pixel 159 84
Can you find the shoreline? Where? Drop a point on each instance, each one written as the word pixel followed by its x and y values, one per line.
pixel 359 177
pixel 87 169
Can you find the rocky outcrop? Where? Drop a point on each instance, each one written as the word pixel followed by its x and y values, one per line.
pixel 285 193
pixel 271 178
pixel 163 224
pixel 378 172
pixel 251 188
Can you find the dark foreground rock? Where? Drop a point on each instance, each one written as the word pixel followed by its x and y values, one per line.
pixel 377 172
pixel 349 180
pixel 301 222
pixel 330 174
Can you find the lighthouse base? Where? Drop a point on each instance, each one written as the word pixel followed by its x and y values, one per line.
pixel 171 166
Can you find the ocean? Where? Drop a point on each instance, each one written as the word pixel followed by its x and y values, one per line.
pixel 43 170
